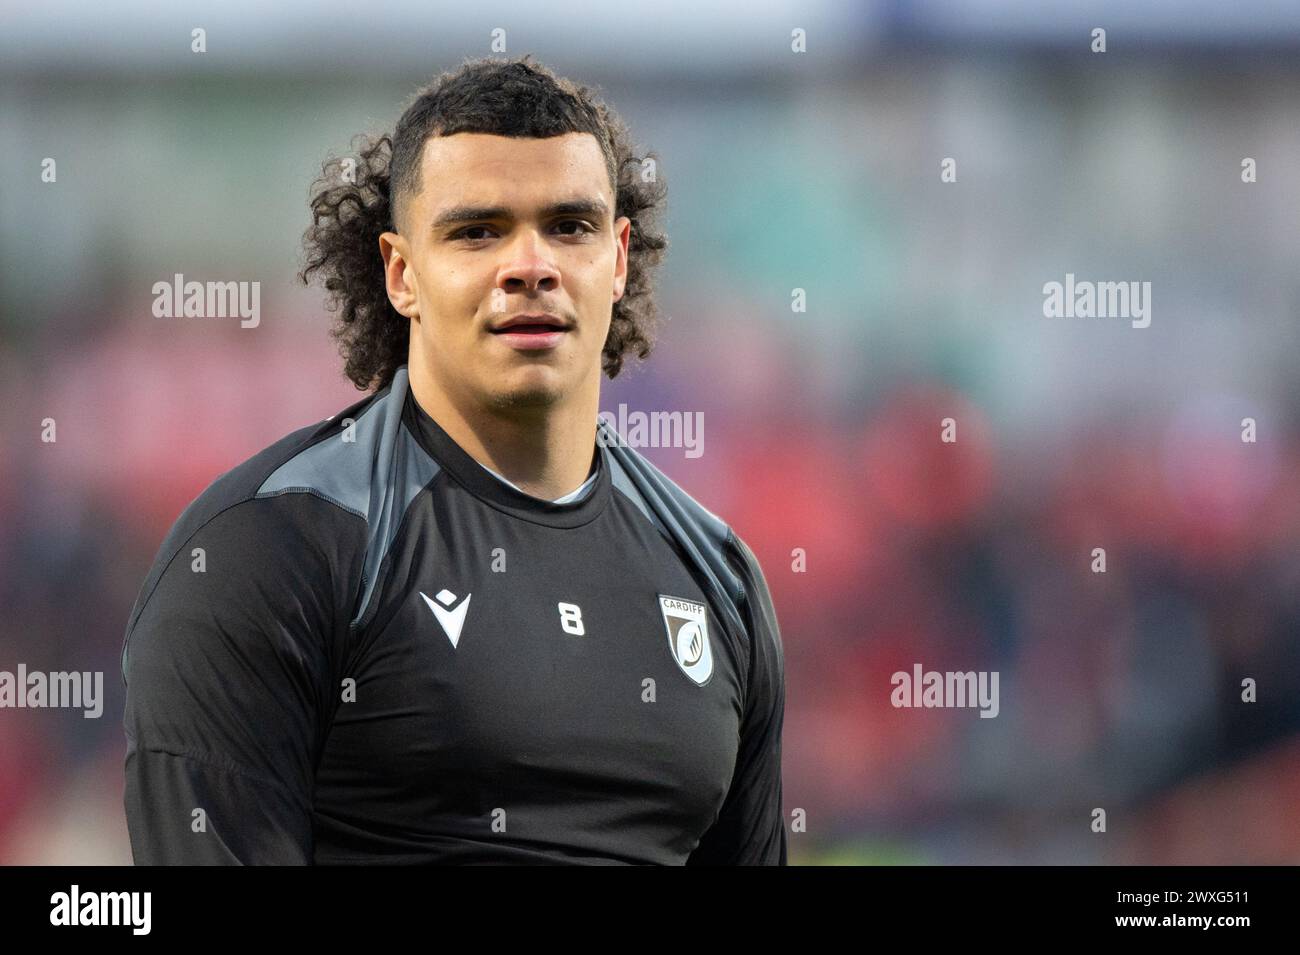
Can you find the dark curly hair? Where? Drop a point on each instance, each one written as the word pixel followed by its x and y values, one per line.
pixel 353 201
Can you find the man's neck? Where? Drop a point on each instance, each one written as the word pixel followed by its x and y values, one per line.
pixel 545 452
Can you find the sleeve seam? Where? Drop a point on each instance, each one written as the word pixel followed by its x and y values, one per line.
pixel 226 765
pixel 745 611
pixel 135 617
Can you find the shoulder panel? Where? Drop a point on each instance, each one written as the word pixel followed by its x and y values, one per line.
pixel 370 465
pixel 702 534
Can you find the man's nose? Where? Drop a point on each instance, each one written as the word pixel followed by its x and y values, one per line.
pixel 528 265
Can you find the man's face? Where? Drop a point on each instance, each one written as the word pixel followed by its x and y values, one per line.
pixel 505 227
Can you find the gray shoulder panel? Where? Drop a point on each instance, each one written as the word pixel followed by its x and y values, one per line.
pixel 702 534
pixel 372 467
pixel 623 482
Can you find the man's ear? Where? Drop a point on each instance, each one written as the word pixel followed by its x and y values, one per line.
pixel 399 277
pixel 622 233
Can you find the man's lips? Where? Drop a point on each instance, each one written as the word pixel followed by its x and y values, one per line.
pixel 527 329
pixel 531 336
pixel 530 322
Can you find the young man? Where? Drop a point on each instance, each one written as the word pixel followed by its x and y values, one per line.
pixel 459 621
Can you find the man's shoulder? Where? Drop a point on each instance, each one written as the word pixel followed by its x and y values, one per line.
pixel 654 492
pixel 324 447
pixel 336 489
pixel 222 510
pixel 707 539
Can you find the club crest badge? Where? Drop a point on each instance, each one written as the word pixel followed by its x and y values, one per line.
pixel 688 636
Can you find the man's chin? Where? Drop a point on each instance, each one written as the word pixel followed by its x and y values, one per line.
pixel 525 396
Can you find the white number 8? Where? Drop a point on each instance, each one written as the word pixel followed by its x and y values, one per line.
pixel 571 618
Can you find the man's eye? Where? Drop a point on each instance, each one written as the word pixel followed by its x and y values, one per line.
pixel 582 229
pixel 586 229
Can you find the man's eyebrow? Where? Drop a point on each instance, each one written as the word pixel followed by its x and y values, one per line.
pixel 573 207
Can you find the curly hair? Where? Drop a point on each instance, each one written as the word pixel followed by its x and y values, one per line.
pixel 353 202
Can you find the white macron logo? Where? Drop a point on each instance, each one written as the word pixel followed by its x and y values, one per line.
pixel 451 620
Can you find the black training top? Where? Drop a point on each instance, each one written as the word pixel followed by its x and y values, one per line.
pixel 359 646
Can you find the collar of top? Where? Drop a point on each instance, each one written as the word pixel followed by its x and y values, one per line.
pixel 471 475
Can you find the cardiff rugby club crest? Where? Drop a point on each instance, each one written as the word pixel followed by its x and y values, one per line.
pixel 688 636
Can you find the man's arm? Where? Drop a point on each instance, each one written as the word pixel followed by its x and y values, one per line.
pixel 229 687
pixel 750 829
